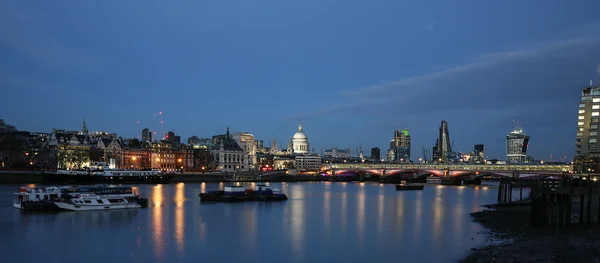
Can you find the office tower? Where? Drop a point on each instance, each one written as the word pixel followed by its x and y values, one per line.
pixel 516 145
pixel 586 140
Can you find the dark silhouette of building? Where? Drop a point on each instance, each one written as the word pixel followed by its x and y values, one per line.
pixel 478 155
pixel 146 135
pixel 442 152
pixel 375 154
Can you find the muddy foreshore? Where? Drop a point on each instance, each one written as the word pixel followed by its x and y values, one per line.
pixel 518 242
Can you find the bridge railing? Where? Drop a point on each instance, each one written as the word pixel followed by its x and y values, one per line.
pixel 463 167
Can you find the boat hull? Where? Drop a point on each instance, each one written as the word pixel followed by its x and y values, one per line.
pixel 54 178
pixel 72 207
pixel 220 197
pixel 37 206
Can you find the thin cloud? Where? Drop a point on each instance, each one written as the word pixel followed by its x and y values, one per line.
pixel 482 62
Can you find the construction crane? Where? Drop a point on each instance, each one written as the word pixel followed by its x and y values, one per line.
pixel 361 156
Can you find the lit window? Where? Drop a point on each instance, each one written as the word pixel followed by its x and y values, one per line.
pixel 593 133
pixel 580 129
pixel 581 105
pixel 596 100
pixel 595 107
pixel 579 134
pixel 593 127
pixel 581 117
pixel 593 140
pixel 594 120
pixel 581 111
pixel 580 123
pixel 595 113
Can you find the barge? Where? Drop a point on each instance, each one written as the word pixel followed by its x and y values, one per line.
pixel 261 192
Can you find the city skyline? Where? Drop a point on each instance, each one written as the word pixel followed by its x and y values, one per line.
pixel 352 72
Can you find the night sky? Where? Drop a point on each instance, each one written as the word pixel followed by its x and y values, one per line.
pixel 352 71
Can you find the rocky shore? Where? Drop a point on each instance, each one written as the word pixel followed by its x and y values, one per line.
pixel 513 240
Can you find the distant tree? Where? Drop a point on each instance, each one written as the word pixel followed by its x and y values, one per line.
pixel 11 151
pixel 73 157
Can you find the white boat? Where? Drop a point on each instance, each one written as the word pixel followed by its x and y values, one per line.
pixel 100 172
pixel 434 180
pixel 102 198
pixel 38 198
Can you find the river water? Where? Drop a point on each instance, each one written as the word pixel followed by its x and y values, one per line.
pixel 321 221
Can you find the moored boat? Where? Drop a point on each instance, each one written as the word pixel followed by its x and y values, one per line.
pixel 102 198
pixel 38 199
pixel 434 180
pixel 261 192
pixel 101 173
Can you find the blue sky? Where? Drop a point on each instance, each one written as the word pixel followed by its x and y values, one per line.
pixel 352 71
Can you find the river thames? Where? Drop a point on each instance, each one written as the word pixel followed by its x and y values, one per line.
pixel 321 221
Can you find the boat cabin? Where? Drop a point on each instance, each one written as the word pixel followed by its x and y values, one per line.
pixel 234 190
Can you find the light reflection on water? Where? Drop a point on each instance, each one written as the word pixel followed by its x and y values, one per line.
pixel 348 222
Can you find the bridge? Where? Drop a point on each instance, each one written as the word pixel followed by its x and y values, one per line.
pixel 447 170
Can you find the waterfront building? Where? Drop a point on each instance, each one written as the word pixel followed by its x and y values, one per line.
pixel 299 142
pixel 375 154
pixel 400 146
pixel 162 155
pixel 185 156
pixel 246 141
pixel 228 155
pixel 135 158
pixel 307 162
pixel 587 140
pixel 336 153
pixel 516 146
pixel 283 162
pixel 199 143
pixel 111 152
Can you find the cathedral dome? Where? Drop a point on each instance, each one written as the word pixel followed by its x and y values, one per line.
pixel 300 141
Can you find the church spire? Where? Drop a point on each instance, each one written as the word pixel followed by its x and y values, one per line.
pixel 84 127
pixel 227 135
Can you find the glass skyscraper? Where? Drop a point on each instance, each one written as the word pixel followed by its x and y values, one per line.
pixel 587 147
pixel 516 146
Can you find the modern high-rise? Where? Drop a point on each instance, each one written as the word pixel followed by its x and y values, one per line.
pixel 146 135
pixel 587 146
pixel 375 154
pixel 400 146
pixel 516 146
pixel 442 152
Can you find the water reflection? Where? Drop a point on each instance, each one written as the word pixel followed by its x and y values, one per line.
pixel 361 198
pixel 179 216
pixel 157 220
pixel 327 211
pixel 418 214
pixel 344 212
pixel 438 214
pixel 297 221
pixel 380 211
pixel 333 217
pixel 400 212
